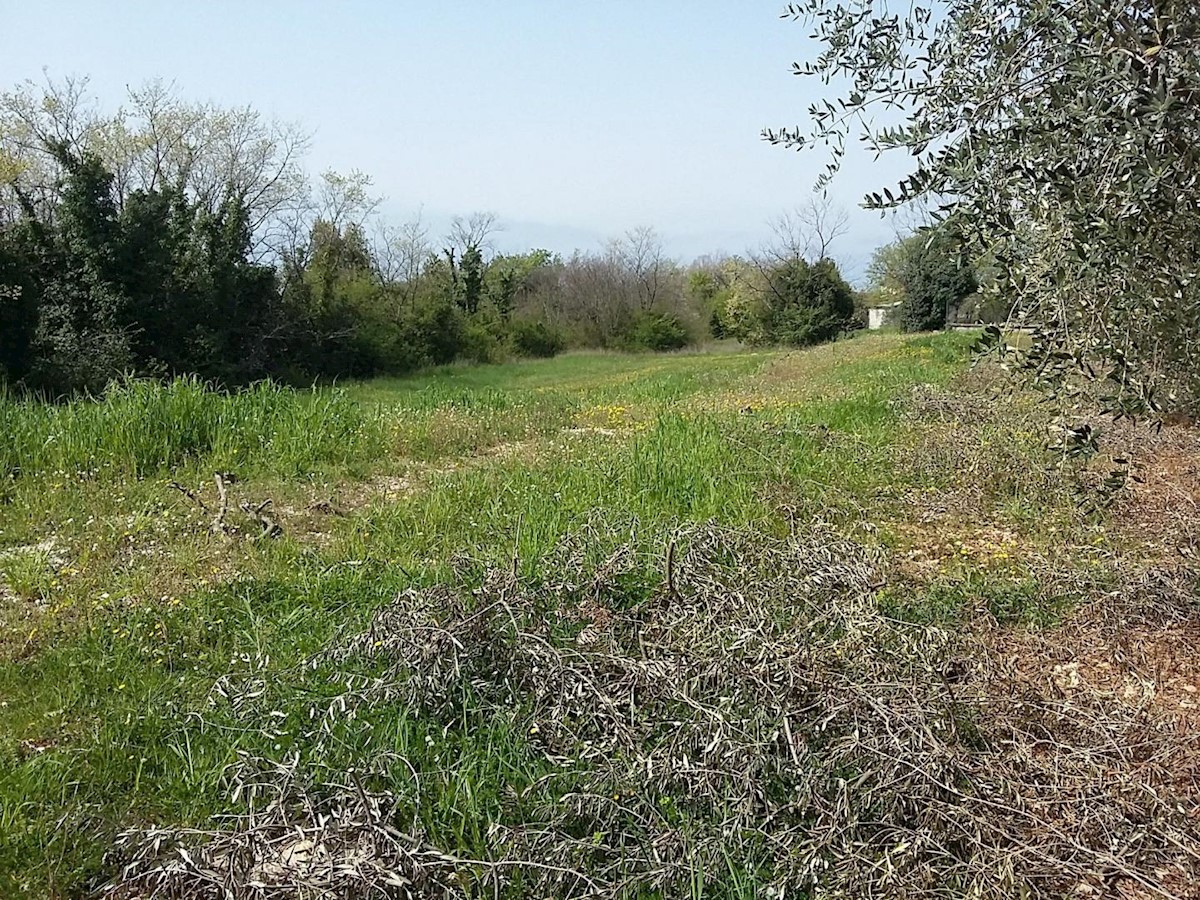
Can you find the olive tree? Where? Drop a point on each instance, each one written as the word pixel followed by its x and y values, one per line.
pixel 1061 139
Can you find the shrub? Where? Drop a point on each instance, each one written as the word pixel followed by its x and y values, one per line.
pixel 716 324
pixel 793 302
pixel 433 335
pixel 535 339
pixel 18 313
pixel 803 326
pixel 804 303
pixel 658 332
pixel 481 343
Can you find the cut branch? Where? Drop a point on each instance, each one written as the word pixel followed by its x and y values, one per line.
pixel 218 522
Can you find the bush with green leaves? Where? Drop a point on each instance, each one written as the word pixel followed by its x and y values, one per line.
pixel 482 341
pixel 157 284
pixel 535 339
pixel 790 301
pixel 106 272
pixel 709 288
pixel 18 312
pixel 1065 139
pixel 657 332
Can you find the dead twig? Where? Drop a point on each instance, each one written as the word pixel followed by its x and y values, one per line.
pixel 190 494
pixel 218 523
pixel 671 592
pixel 260 513
pixel 326 508
pixel 769 719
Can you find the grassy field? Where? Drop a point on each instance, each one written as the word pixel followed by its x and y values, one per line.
pixel 734 624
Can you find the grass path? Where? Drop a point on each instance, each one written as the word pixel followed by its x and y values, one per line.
pixel 145 661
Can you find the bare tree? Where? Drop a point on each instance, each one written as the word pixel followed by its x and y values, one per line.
pixel 472 235
pixel 810 230
pixel 593 296
pixel 640 255
pixel 344 201
pixel 33 118
pixel 910 218
pixel 477 230
pixel 400 254
pixel 53 112
pixel 340 204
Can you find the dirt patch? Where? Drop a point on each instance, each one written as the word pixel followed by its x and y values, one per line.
pixel 927 547
pixel 1132 657
pixel 1162 508
pixel 1108 699
pixel 349 498
pixel 1139 648
pixel 977 397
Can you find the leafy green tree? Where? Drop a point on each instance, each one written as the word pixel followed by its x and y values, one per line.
pixel 509 277
pixel 709 290
pixel 934 280
pixel 238 297
pixel 18 309
pixel 158 284
pixel 80 343
pixel 885 279
pixel 154 139
pixel 193 300
pixel 469 281
pixel 658 332
pixel 1065 138
pixel 817 303
pixel 336 322
pixel 746 309
pixel 536 339
pixel 792 302
pixel 434 334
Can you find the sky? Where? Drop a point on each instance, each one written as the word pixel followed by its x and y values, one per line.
pixel 571 121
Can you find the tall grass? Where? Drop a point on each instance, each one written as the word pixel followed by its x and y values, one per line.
pixel 143 427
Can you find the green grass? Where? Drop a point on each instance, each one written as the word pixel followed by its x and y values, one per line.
pixel 458 410
pixel 112 722
pixel 141 428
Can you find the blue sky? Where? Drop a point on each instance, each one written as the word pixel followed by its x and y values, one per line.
pixel 572 121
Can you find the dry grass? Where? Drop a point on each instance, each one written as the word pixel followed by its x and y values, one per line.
pixel 758 714
pixel 1162 508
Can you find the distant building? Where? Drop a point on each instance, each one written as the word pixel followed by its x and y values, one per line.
pixel 882 316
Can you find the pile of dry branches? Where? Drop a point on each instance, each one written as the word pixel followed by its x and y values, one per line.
pixel 303 840
pixel 754 723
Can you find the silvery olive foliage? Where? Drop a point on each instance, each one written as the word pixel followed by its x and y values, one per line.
pixel 1062 139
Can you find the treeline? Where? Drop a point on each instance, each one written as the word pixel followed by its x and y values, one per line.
pixel 174 238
